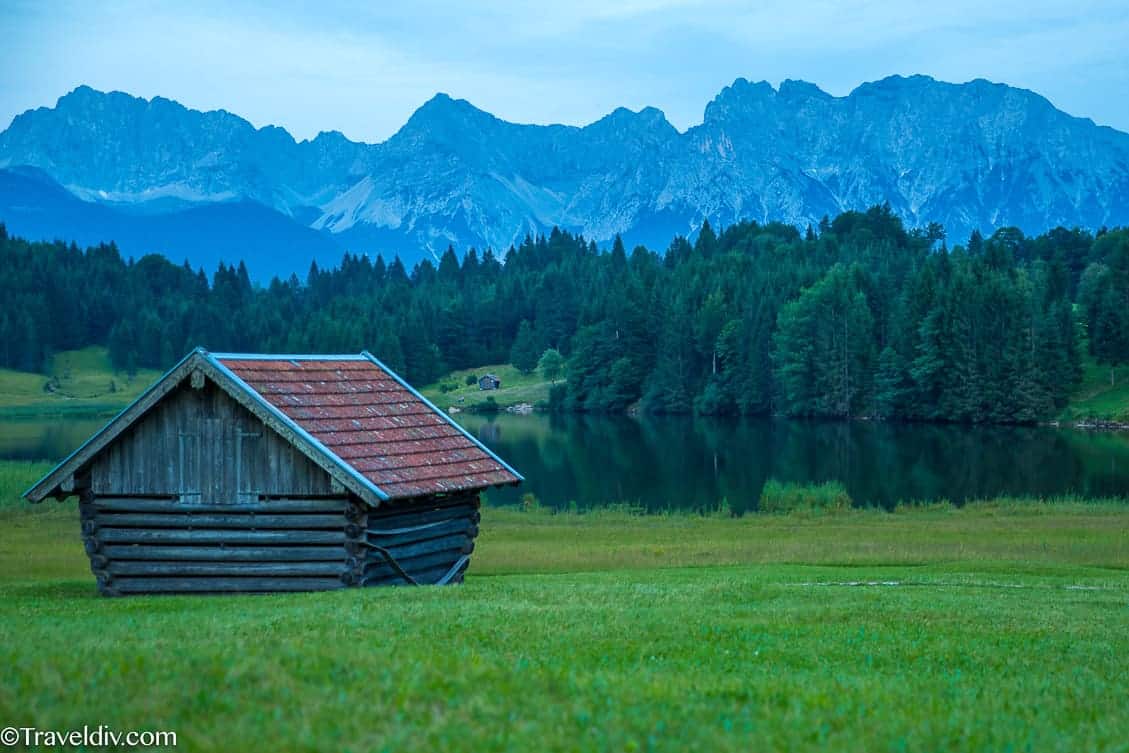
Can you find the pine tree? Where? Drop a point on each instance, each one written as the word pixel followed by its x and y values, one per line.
pixel 669 388
pixel 449 270
pixel 706 244
pixel 1107 317
pixel 890 389
pixel 823 348
pixel 526 348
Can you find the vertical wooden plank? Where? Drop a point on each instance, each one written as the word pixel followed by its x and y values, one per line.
pixel 198 479
pixel 275 468
pixel 193 428
pixel 169 430
pixel 221 454
pixel 247 459
pixel 307 472
pixel 203 467
pixel 285 469
pixel 184 429
pixel 300 475
pixel 176 426
pixel 140 454
pixel 116 468
pixel 98 474
pixel 157 452
pixel 249 440
pixel 130 458
pixel 122 471
pixel 284 479
pixel 203 458
pixel 121 480
pixel 218 461
pixel 181 465
pixel 207 459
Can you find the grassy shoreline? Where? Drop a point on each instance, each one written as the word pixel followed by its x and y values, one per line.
pixel 997 627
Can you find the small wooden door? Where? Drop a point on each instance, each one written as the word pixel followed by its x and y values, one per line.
pixel 188 468
pixel 216 463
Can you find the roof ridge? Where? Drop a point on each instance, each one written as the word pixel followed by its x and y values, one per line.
pixel 288 356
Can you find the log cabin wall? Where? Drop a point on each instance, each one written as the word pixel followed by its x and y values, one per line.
pixel 162 545
pixel 200 496
pixel 427 540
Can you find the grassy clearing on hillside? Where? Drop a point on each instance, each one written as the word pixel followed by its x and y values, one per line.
pixel 1000 626
pixel 1096 398
pixel 81 381
pixel 516 388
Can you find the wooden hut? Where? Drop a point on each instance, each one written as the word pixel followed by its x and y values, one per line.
pixel 489 382
pixel 239 472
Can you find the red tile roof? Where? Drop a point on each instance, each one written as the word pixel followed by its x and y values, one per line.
pixel 373 422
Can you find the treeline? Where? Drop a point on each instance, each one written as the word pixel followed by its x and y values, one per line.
pixel 858 317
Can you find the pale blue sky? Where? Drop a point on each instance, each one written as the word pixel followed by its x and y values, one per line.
pixel 362 68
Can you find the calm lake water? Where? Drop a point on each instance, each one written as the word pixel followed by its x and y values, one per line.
pixel 683 462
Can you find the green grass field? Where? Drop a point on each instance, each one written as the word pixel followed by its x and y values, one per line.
pixel 516 388
pixel 82 382
pixel 1001 627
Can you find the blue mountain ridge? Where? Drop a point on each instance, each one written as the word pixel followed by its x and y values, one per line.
pixel 206 185
pixel 34 206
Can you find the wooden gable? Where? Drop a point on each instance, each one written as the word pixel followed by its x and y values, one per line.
pixel 200 445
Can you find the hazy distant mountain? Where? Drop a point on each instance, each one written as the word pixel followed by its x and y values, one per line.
pixel 975 155
pixel 33 205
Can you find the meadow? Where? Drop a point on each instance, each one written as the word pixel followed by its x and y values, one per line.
pixel 1000 626
pixel 452 390
pixel 1095 398
pixel 73 382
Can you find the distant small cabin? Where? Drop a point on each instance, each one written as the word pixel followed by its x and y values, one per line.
pixel 238 472
pixel 489 382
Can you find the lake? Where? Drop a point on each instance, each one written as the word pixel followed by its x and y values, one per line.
pixel 692 463
pixel 684 462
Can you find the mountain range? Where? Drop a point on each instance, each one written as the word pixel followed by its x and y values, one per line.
pixel 156 176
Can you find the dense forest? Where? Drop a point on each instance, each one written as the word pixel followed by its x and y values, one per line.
pixel 856 317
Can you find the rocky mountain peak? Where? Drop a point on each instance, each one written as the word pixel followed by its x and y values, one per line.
pixel 793 89
pixel 739 100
